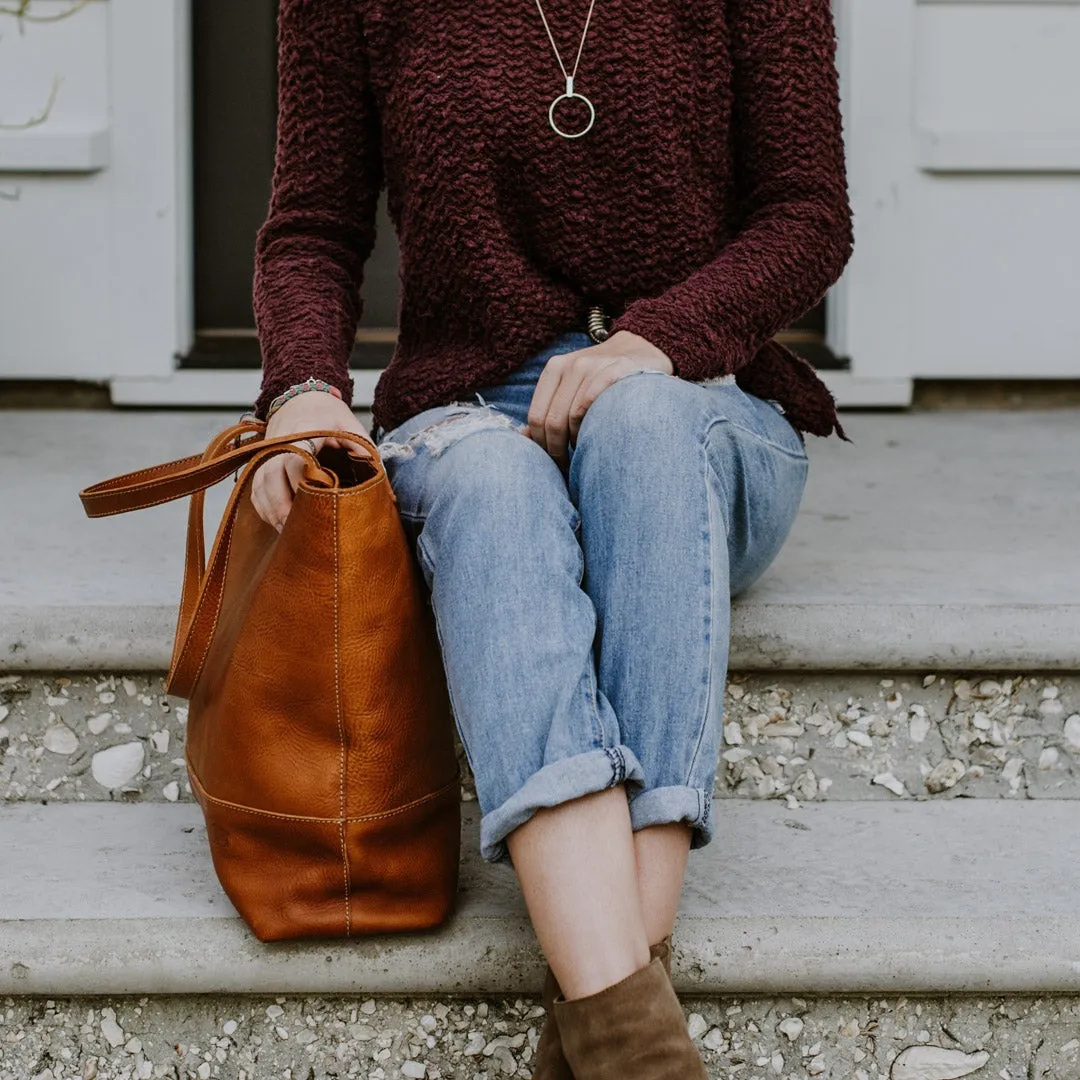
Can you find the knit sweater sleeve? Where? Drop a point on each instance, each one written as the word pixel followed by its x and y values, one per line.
pixel 320 226
pixel 795 233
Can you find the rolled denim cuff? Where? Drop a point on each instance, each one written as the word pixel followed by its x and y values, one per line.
pixel 665 805
pixel 568 778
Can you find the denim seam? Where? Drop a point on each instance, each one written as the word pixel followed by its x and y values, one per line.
pixel 442 658
pixel 797 454
pixel 618 764
pixel 594 687
pixel 710 501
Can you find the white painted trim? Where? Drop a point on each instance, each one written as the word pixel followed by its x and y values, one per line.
pixel 876 313
pixel 151 236
pixel 836 303
pixel 853 391
pixel 1015 3
pixel 225 387
pixel 991 151
pixel 48 150
pixel 222 387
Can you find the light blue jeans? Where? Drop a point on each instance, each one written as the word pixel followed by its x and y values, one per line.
pixel 584 618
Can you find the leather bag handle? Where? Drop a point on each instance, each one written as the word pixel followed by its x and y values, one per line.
pixel 201 591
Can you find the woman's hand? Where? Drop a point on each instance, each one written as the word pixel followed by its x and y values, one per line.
pixel 571 382
pixel 275 481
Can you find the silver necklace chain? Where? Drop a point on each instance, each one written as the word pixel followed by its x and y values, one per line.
pixel 569 92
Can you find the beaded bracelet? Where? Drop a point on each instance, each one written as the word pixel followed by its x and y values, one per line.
pixel 298 388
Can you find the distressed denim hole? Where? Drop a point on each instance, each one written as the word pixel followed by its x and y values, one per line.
pixel 438 436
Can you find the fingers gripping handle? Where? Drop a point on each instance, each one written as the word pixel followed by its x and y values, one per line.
pixel 203 587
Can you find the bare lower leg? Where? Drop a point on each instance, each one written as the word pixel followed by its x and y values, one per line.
pixel 661 852
pixel 578 871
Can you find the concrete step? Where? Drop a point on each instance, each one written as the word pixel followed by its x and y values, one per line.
pixel 846 897
pixel 939 540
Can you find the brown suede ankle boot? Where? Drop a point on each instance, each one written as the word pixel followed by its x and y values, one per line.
pixel 635 1028
pixel 550 1062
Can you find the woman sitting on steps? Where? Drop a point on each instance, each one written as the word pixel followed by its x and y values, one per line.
pixel 605 212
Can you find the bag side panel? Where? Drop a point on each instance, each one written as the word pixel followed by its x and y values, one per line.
pixel 263 729
pixel 395 706
pixel 286 878
pixel 403 868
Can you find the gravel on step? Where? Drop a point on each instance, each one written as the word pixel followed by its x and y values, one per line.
pixel 315 1038
pixel 794 737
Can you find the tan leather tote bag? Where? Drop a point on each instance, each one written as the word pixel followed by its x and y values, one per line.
pixel 319 738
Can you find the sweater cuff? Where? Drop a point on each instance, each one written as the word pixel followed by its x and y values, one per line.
pixel 696 350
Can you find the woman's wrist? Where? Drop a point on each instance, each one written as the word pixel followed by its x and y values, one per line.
pixel 296 389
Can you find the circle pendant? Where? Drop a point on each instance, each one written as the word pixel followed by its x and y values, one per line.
pixel 555 127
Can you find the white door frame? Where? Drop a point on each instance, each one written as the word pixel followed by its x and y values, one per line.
pixel 868 310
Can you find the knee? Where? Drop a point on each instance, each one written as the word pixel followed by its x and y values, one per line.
pixel 646 416
pixel 493 474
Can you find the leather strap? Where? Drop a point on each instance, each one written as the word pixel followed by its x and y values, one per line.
pixel 202 590
pixel 186 476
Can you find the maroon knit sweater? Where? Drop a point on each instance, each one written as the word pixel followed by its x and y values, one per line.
pixel 707 207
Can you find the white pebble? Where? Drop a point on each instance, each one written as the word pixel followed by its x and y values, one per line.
pixel 475 1045
pixel 274 1011
pixel 106 697
pixel 113 1032
pixel 919 727
pixel 415 1069
pixel 944 775
pixel 714 1040
pixel 1049 757
pixel 230 1026
pixel 696 1025
pixel 171 791
pixel 116 765
pixel 792 1027
pixel 928 680
pixel 936 1063
pixel 129 687
pixel 160 741
pixel 1072 730
pixel 859 738
pixel 732 734
pixel 1051 707
pixel 737 753
pixel 1050 692
pixel 1012 768
pixel 97 724
pixel 887 780
pixel 60 739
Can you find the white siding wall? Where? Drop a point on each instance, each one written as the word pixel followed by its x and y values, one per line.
pixel 963 127
pixel 964 145
pixel 94 214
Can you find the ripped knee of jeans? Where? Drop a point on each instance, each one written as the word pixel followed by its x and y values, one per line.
pixel 438 436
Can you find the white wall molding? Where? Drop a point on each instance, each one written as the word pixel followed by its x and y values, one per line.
pixel 992 151
pixel 49 149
